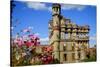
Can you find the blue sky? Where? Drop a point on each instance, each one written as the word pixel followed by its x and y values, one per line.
pixel 37 15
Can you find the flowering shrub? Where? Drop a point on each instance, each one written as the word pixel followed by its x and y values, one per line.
pixel 24 51
pixel 23 48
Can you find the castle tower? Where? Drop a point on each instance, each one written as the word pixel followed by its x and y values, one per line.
pixel 55 30
pixel 69 40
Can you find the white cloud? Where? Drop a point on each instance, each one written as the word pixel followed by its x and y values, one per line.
pixel 50 9
pixel 37 34
pixel 44 39
pixel 30 27
pixel 70 7
pixel 93 38
pixel 12 28
pixel 43 6
pixel 37 6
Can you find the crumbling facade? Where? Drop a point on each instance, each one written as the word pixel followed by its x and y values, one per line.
pixel 69 40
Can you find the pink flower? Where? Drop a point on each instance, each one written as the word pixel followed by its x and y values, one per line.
pixel 31 36
pixel 19 41
pixel 28 44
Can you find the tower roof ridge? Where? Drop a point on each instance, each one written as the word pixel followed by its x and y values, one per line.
pixel 56 4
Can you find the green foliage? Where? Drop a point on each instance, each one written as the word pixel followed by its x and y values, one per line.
pixel 37 63
pixel 55 61
pixel 93 58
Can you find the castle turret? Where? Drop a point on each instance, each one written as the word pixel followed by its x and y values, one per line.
pixel 55 38
pixel 56 9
